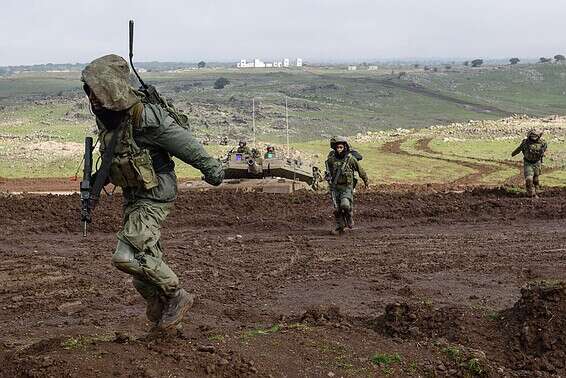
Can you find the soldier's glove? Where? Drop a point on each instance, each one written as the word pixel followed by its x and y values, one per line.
pixel 215 177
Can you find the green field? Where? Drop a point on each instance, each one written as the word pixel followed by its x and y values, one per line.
pixel 44 117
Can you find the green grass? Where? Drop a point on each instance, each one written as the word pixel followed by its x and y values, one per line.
pixel 385 360
pixel 81 341
pixel 453 353
pixel 322 102
pixel 261 331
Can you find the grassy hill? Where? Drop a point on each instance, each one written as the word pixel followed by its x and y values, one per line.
pixel 44 117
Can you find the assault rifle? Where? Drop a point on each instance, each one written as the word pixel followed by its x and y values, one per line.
pixel 86 185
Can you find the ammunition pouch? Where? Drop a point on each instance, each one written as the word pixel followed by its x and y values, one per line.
pixel 133 171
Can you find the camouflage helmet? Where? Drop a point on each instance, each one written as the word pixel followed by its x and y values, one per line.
pixel 107 77
pixel 332 141
pixel 242 143
pixel 534 133
pixel 341 140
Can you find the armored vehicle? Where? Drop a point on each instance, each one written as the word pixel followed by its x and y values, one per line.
pixel 252 166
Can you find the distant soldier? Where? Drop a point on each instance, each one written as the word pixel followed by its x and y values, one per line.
pixel 243 148
pixel 269 152
pixel 533 149
pixel 316 178
pixel 341 166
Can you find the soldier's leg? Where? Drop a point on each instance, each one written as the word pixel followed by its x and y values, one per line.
pixel 346 206
pixel 139 254
pixel 536 174
pixel 528 171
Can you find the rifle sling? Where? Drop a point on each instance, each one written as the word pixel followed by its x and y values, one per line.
pixel 104 171
pixel 339 172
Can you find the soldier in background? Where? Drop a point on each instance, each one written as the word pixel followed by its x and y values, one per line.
pixel 243 148
pixel 341 167
pixel 269 152
pixel 533 149
pixel 316 178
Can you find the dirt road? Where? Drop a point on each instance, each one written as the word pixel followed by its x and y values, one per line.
pixel 429 283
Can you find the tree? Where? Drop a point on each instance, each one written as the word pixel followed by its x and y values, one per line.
pixel 559 58
pixel 544 60
pixel 514 61
pixel 477 62
pixel 221 82
pixel 466 63
pixel 201 64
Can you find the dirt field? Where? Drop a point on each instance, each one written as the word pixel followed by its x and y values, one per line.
pixel 429 283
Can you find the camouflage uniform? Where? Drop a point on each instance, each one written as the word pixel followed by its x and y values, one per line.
pixel 533 149
pixel 148 128
pixel 243 148
pixel 341 172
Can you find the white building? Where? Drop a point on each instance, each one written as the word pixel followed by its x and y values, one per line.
pixel 245 64
pixel 352 68
pixel 257 63
pixel 372 68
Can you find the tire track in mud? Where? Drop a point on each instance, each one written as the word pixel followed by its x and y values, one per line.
pixel 482 170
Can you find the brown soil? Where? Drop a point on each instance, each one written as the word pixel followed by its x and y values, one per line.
pixel 428 281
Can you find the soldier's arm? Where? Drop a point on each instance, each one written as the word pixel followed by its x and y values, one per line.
pixel 361 172
pixel 329 168
pixel 179 142
pixel 518 149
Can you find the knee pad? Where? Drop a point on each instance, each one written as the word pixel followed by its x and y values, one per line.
pixel 124 259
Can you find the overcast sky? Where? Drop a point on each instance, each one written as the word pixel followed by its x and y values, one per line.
pixel 61 31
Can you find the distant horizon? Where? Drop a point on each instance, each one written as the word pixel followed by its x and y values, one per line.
pixel 408 60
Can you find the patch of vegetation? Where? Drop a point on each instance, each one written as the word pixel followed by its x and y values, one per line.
pixel 385 360
pixel 83 341
pixel 299 326
pixel 474 367
pixel 453 353
pixel 261 331
pixel 219 338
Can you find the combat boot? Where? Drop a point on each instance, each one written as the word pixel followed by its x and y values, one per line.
pixel 174 308
pixel 154 308
pixel 349 219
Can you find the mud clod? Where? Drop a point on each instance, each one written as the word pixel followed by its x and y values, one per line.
pixel 536 327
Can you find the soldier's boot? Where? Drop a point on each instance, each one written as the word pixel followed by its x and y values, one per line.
pixel 530 187
pixel 174 309
pixel 339 228
pixel 349 219
pixel 152 297
pixel 154 309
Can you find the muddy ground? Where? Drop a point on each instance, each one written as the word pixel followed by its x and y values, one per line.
pixel 429 283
